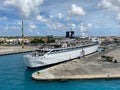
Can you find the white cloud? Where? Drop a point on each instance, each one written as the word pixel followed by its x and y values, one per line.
pixel 40 18
pixel 3 18
pixel 111 5
pixel 72 26
pixel 60 25
pixel 51 16
pixel 84 27
pixel 26 7
pixel 38 33
pixel 19 23
pixel 117 16
pixel 76 10
pixel 60 16
pixel 32 26
pixel 105 4
pixel 55 25
pixel 89 25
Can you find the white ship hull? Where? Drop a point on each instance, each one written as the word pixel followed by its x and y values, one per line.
pixel 48 59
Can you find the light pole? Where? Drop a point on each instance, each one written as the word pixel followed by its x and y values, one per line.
pixel 22 35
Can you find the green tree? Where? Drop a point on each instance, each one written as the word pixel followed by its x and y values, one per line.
pixel 37 40
pixel 1 42
pixel 51 41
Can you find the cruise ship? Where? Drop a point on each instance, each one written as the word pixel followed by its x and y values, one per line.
pixel 68 49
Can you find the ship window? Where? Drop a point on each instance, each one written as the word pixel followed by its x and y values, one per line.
pixel 54 51
pixel 69 49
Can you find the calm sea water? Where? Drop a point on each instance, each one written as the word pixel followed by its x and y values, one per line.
pixel 15 76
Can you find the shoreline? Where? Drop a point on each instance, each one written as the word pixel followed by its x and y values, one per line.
pixel 79 77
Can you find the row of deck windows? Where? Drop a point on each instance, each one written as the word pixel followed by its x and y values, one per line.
pixel 70 49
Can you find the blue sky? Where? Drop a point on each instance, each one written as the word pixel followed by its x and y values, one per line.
pixel 55 17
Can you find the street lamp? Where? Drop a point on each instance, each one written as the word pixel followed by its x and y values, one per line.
pixel 22 35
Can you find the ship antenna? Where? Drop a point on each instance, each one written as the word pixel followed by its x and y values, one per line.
pixel 22 34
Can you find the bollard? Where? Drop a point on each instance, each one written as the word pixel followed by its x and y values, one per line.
pixel 38 73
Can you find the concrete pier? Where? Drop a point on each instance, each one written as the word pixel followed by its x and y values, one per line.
pixel 6 50
pixel 89 67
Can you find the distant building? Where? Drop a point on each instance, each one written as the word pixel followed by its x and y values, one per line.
pixel 12 41
pixel 70 34
pixel 26 41
pixel 17 41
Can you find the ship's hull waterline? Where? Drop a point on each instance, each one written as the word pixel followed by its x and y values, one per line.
pixel 54 58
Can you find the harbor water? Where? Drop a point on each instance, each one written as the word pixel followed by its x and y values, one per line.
pixel 15 76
